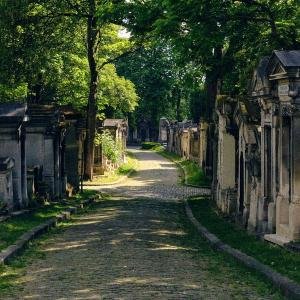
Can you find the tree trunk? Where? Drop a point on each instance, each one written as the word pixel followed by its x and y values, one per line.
pixel 213 89
pixel 92 40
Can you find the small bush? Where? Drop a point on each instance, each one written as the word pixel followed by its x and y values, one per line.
pixel 150 145
pixel 112 150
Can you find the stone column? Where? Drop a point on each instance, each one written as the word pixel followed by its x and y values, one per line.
pixel 260 208
pixel 274 175
pixel 294 209
pixel 57 161
pixel 23 170
pixel 48 168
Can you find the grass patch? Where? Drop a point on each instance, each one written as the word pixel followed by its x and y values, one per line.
pixel 194 175
pixel 280 259
pixel 149 145
pixel 128 167
pixel 13 228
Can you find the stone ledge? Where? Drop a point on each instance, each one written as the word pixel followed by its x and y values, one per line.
pixel 13 250
pixel 290 289
pixel 276 239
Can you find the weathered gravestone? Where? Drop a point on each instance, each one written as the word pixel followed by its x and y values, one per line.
pixel 118 129
pixel 280 145
pixel 6 184
pixel 45 148
pixel 74 147
pixel 13 118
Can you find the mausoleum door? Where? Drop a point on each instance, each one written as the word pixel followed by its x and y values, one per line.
pixel 285 180
pixel 241 190
pixel 267 164
pixel 23 171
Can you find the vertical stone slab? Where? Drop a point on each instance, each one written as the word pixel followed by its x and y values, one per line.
pixel 48 166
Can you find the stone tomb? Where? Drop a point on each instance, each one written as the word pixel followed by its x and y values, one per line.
pixel 13 118
pixel 248 175
pixel 225 193
pixel 163 130
pixel 281 144
pixel 45 148
pixel 118 129
pixel 74 147
pixel 6 184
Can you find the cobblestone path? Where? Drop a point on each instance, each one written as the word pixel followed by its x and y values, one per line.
pixel 157 177
pixel 142 248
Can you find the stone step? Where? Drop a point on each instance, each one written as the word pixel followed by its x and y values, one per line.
pixel 276 239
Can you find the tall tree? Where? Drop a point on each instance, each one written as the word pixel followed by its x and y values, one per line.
pixel 48 36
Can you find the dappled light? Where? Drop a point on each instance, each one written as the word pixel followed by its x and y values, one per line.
pixel 133 247
pixel 156 178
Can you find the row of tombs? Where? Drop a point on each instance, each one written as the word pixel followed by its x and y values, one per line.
pixel 253 153
pixel 42 152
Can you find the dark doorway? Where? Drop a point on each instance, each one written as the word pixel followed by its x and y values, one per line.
pixel 242 191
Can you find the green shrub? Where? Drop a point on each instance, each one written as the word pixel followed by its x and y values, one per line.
pixel 150 145
pixel 112 150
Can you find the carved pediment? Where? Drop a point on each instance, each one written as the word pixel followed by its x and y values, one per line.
pixel 260 82
pixel 283 64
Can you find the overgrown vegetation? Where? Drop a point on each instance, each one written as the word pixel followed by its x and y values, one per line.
pixel 14 227
pixel 194 175
pixel 150 145
pixel 280 259
pixel 112 149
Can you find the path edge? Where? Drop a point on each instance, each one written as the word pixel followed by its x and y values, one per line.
pixel 18 247
pixel 120 180
pixel 290 288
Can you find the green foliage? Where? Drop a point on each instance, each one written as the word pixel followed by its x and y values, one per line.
pixel 194 175
pixel 129 166
pixel 149 145
pixel 116 91
pixel 44 56
pixel 163 85
pixel 112 150
pixel 218 36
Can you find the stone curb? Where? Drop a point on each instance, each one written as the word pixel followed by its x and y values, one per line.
pixel 290 289
pixel 13 250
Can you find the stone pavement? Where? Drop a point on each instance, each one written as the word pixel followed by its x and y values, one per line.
pixel 142 248
pixel 157 177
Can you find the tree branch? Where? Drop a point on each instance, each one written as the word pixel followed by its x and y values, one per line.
pixel 124 54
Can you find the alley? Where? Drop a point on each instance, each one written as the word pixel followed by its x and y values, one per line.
pixel 138 245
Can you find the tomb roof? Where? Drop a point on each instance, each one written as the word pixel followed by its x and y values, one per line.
pixel 44 115
pixel 13 114
pixel 288 58
pixel 114 122
pixel 13 110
